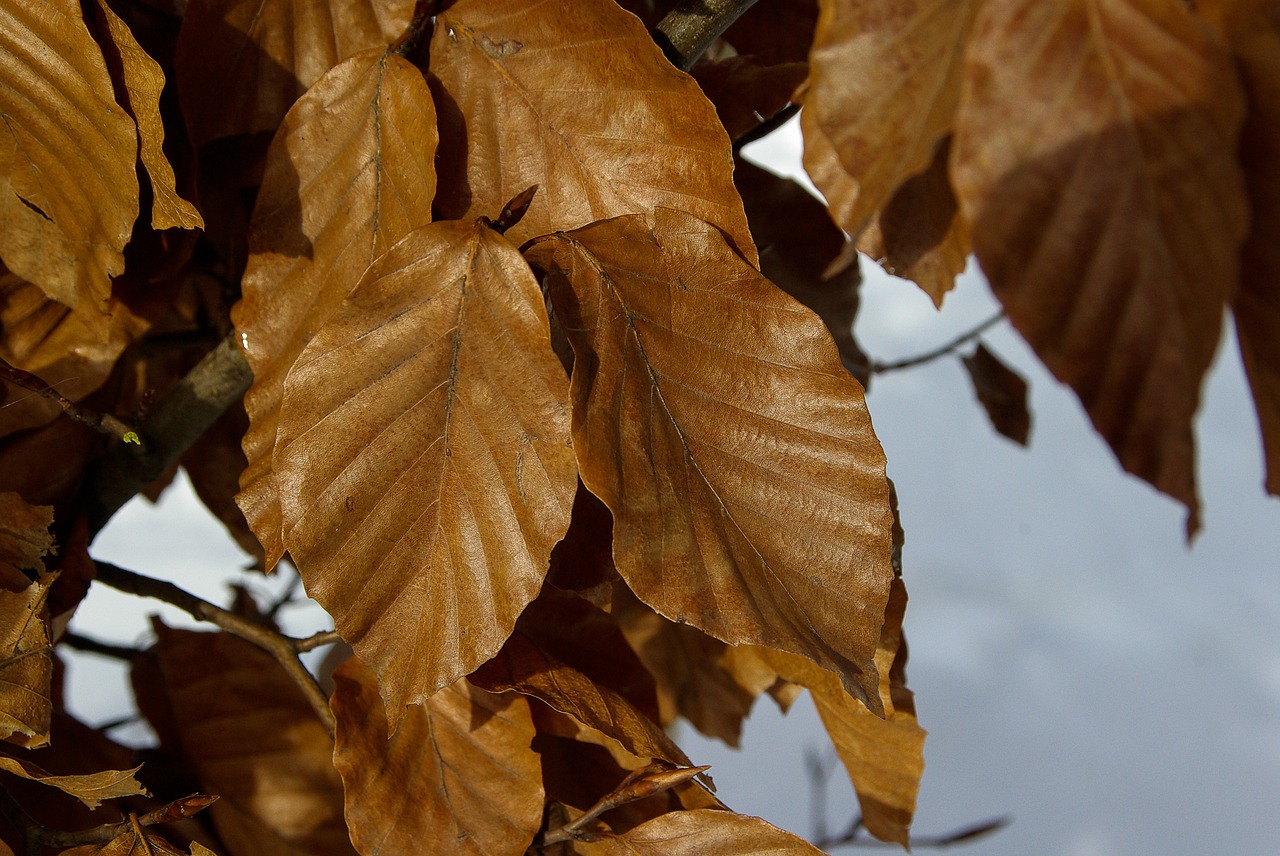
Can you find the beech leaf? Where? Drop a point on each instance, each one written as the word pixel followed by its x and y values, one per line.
pixel 90 789
pixel 602 131
pixel 1002 393
pixel 424 457
pixel 702 832
pixel 350 173
pixel 26 658
pixel 671 330
pixel 457 776
pixel 68 187
pixel 24 539
pixel 1109 211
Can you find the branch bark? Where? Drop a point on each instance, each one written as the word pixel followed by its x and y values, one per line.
pixel 686 32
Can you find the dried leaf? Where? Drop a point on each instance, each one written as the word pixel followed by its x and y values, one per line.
pixel 350 173
pixel 90 789
pixel 920 233
pixel 458 776
pixel 704 832
pixel 24 540
pixel 1002 393
pixel 241 64
pixel 523 667
pixel 143 82
pixel 68 189
pixel 253 739
pixel 774 32
pixel 424 457
pixel 1253 28
pixel 670 331
pixel 214 463
pixel 535 100
pixel 1109 211
pixel 139 841
pixel 747 93
pixel 884 81
pixel 26 659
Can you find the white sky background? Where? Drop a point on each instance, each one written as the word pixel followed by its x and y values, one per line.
pixel 1077 666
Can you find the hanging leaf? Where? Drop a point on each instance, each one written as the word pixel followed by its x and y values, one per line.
pixel 1002 393
pixel 524 88
pixel 704 832
pixel 1109 211
pixel 350 173
pixel 457 776
pixel 242 64
pixel 671 330
pixel 26 659
pixel 89 789
pixel 138 841
pixel 68 189
pixel 746 93
pixel 424 457
pixel 24 540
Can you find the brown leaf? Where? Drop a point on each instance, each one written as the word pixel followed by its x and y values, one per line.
pixel 704 832
pixel 68 188
pixel 350 173
pixel 797 242
pixel 884 80
pixel 24 540
pixel 424 457
pixel 253 739
pixel 775 32
pixel 534 99
pixel 26 660
pixel 523 667
pixel 747 93
pixel 583 560
pixel 670 332
pixel 458 776
pixel 241 64
pixel 1002 393
pixel 920 233
pixel 143 82
pixel 1253 28
pixel 89 789
pixel 138 841
pixel 214 463
pixel 1108 211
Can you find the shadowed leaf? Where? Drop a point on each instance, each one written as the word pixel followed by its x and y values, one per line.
pixel 130 843
pixel 747 93
pixel 68 189
pixel 774 32
pixel 1109 210
pixel 350 173
pixel 26 660
pixel 1002 393
pixel 90 789
pixel 24 540
pixel 458 776
pixel 424 457
pixel 671 331
pixel 585 106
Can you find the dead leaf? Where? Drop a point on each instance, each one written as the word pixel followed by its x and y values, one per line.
pixel 241 64
pixel 1002 392
pixel 253 739
pixel 24 540
pixel 775 32
pixel 670 331
pixel 89 789
pixel 884 79
pixel 1253 28
pixel 214 463
pixel 26 659
pixel 458 776
pixel 350 173
pixel 1109 211
pixel 424 457
pixel 704 832
pixel 521 666
pixel 143 82
pixel 68 189
pixel 139 841
pixel 528 92
pixel 747 93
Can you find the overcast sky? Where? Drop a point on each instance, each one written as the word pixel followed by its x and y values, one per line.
pixel 1077 666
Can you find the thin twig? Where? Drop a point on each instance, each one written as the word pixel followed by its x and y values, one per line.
pixel 171 813
pixel 941 351
pixel 96 646
pixel 419 25
pixel 285 649
pixel 963 835
pixel 104 423
pixel 685 33
pixel 316 640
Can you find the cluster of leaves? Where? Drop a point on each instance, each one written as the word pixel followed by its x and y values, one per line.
pixel 537 407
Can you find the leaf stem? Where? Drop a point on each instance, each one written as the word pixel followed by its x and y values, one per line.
pixel 685 33
pixel 877 367
pixel 101 422
pixel 284 648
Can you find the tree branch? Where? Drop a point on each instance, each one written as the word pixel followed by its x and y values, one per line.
pixel 102 422
pixel 36 837
pixel 169 428
pixel 284 648
pixel 686 32
pixel 941 351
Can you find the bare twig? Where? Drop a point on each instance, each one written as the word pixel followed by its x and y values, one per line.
pixel 686 32
pixel 638 785
pixel 963 835
pixel 419 25
pixel 284 648
pixel 96 646
pixel 101 422
pixel 877 367
pixel 36 837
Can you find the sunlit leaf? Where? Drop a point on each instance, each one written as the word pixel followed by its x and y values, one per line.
pixel 424 457
pixel 458 776
pixel 350 173
pixel 89 789
pixel 1002 392
pixel 671 331
pixel 243 63
pixel 884 81
pixel 68 189
pixel 143 82
pixel 252 738
pixel 1109 210
pixel 585 106
pixel 703 832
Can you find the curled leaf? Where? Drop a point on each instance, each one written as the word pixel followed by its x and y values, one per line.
pixel 89 789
